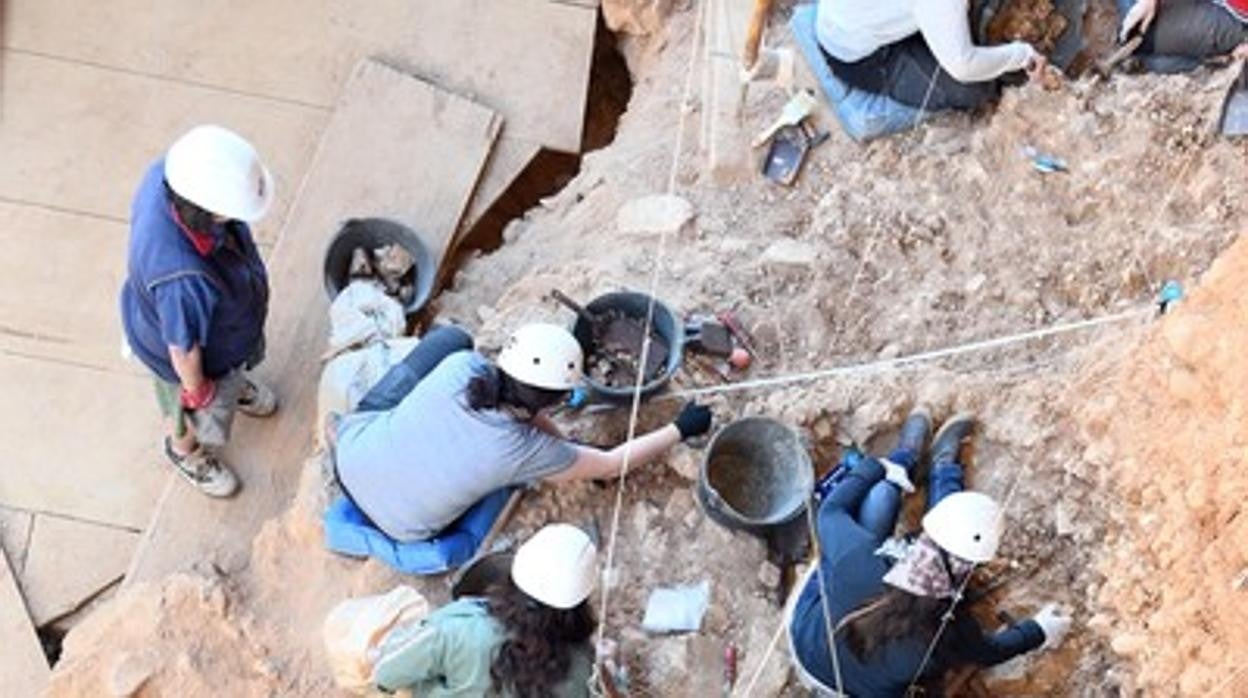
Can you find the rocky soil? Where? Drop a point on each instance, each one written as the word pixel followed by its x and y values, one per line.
pixel 1166 432
pixel 1114 446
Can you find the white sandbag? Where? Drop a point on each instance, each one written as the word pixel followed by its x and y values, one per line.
pixel 354 628
pixel 348 377
pixel 361 314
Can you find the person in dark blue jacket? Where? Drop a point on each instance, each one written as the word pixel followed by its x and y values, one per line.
pixel 196 295
pixel 886 613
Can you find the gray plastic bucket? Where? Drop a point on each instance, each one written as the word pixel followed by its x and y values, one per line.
pixel 636 305
pixel 372 233
pixel 756 475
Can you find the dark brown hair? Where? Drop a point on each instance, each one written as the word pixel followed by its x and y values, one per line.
pixel 193 217
pixel 540 641
pixel 494 388
pixel 893 616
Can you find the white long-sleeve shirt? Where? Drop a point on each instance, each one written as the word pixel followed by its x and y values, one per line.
pixel 851 30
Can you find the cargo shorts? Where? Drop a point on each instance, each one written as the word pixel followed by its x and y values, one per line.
pixel 212 423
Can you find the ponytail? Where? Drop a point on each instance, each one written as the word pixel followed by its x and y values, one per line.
pixel 485 390
pixel 493 389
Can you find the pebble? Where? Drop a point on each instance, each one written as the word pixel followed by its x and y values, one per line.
pixel 769 575
pixel 659 213
pixel 790 254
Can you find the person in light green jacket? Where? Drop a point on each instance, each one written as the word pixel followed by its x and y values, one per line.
pixel 527 638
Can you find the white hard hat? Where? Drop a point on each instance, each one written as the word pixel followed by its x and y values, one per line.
pixel 543 356
pixel 556 566
pixel 220 172
pixel 967 525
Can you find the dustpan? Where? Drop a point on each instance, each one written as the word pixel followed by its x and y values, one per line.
pixel 1234 119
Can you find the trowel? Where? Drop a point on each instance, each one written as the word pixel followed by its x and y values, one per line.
pixel 800 106
pixel 1234 119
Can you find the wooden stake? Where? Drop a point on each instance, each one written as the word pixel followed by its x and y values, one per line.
pixel 754 33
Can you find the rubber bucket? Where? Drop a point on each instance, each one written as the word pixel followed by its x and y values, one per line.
pixel 372 233
pixel 635 305
pixel 478 576
pixel 756 475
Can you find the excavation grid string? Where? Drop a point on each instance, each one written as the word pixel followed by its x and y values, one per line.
pixel 890 364
pixel 613 536
pixel 698 38
pixel 912 359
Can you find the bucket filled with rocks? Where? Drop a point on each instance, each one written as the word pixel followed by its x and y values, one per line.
pixel 384 251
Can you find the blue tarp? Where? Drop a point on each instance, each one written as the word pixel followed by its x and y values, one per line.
pixel 863 115
pixel 349 532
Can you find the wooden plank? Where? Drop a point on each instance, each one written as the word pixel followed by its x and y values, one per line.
pixel 396 146
pixel 23 668
pixel 527 59
pixel 508 160
pixel 79 138
pixel 729 157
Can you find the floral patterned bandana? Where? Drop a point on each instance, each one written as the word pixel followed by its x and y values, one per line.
pixel 923 571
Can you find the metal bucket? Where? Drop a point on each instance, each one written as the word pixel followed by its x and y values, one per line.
pixel 475 578
pixel 756 475
pixel 372 233
pixel 635 305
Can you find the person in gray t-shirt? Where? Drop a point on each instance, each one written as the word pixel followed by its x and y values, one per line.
pixel 450 427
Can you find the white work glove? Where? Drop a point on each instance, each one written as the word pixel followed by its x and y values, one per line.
pixel 1141 14
pixel 897 475
pixel 1054 624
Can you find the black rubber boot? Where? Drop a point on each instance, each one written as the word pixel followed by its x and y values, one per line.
pixel 914 432
pixel 956 431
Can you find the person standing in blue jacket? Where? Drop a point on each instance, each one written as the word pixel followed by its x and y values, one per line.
pixel 884 613
pixel 196 295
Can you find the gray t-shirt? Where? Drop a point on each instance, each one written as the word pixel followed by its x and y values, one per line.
pixel 414 469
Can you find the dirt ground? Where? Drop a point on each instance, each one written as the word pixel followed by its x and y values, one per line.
pixel 934 238
pixel 1166 433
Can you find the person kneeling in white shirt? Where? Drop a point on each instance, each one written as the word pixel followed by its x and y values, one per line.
pixel 918 52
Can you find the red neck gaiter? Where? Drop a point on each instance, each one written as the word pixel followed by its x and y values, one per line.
pixel 204 243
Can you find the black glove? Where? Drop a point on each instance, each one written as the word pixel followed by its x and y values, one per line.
pixel 693 420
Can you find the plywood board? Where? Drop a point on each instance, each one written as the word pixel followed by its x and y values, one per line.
pixel 508 160
pixel 397 147
pixel 79 441
pixel 60 277
pixel 78 137
pixel 527 59
pixel 23 669
pixel 69 562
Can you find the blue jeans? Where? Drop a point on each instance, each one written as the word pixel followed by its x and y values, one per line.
pixel 1185 33
pixel 437 344
pixel 880 507
pixel 907 71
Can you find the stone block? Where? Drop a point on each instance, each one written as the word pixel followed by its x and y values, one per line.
pixel 71 561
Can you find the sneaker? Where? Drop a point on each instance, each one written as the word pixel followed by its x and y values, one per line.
pixel 953 434
pixel 204 471
pixel 257 399
pixel 914 432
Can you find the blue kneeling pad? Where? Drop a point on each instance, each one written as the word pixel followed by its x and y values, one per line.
pixel 349 532
pixel 863 115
